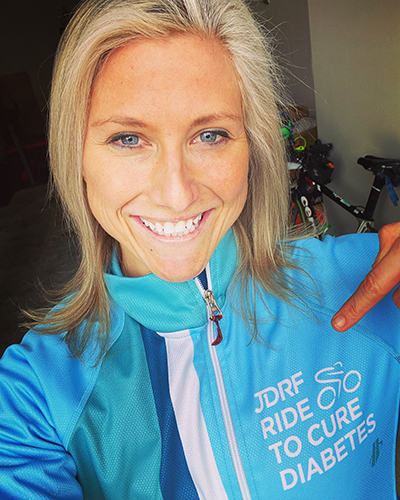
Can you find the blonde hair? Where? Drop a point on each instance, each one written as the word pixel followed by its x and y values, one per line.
pixel 97 29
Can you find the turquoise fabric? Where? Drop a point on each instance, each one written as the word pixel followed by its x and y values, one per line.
pixel 165 306
pixel 118 428
pixel 72 431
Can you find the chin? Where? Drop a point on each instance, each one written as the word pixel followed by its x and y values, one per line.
pixel 179 274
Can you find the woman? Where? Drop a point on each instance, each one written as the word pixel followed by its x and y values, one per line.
pixel 203 361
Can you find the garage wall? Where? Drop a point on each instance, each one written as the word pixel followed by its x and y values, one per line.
pixel 356 68
pixel 288 21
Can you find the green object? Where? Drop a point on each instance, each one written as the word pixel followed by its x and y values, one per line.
pixel 285 133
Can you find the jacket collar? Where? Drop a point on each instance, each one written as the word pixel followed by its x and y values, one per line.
pixel 168 307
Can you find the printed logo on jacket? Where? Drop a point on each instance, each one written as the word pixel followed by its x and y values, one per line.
pixel 343 428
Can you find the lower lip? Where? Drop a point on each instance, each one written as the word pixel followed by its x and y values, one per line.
pixel 173 239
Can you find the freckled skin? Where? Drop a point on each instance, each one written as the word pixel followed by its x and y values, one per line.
pixel 163 95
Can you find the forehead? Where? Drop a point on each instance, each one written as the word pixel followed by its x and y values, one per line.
pixel 178 70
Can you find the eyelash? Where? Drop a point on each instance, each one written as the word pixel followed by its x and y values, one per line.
pixel 118 137
pixel 224 137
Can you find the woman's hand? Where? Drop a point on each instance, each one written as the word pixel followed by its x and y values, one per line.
pixel 385 275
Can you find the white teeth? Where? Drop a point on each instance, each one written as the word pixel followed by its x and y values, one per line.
pixel 169 228
pixel 181 228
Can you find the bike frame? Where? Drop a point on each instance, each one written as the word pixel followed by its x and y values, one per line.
pixel 365 217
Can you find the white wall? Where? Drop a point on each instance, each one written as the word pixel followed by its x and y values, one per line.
pixel 288 20
pixel 356 67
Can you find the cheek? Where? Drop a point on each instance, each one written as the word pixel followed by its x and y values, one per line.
pixel 233 174
pixel 234 183
pixel 105 201
pixel 96 191
pixel 108 187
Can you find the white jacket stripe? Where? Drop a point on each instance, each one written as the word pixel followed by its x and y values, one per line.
pixel 185 396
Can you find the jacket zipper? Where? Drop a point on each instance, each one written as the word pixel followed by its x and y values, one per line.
pixel 215 312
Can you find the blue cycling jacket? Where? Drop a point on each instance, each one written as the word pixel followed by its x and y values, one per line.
pixel 306 413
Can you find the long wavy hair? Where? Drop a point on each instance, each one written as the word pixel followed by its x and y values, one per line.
pixel 98 28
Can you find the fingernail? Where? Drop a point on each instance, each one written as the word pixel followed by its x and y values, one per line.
pixel 339 321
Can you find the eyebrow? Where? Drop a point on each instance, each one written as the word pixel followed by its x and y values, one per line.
pixel 202 120
pixel 121 120
pixel 128 121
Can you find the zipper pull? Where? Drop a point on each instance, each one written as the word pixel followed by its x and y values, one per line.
pixel 216 314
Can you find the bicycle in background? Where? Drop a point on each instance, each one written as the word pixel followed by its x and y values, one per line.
pixel 313 172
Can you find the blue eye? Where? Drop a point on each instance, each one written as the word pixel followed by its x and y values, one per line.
pixel 124 139
pixel 129 140
pixel 209 136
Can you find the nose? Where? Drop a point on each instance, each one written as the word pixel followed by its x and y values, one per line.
pixel 173 185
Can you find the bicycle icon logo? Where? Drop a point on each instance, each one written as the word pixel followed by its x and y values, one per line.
pixel 338 379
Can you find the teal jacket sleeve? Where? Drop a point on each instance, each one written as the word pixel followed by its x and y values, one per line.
pixel 34 464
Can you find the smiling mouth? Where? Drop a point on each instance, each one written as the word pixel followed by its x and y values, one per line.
pixel 181 228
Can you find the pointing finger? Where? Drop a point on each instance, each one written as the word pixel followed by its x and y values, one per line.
pixel 378 283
